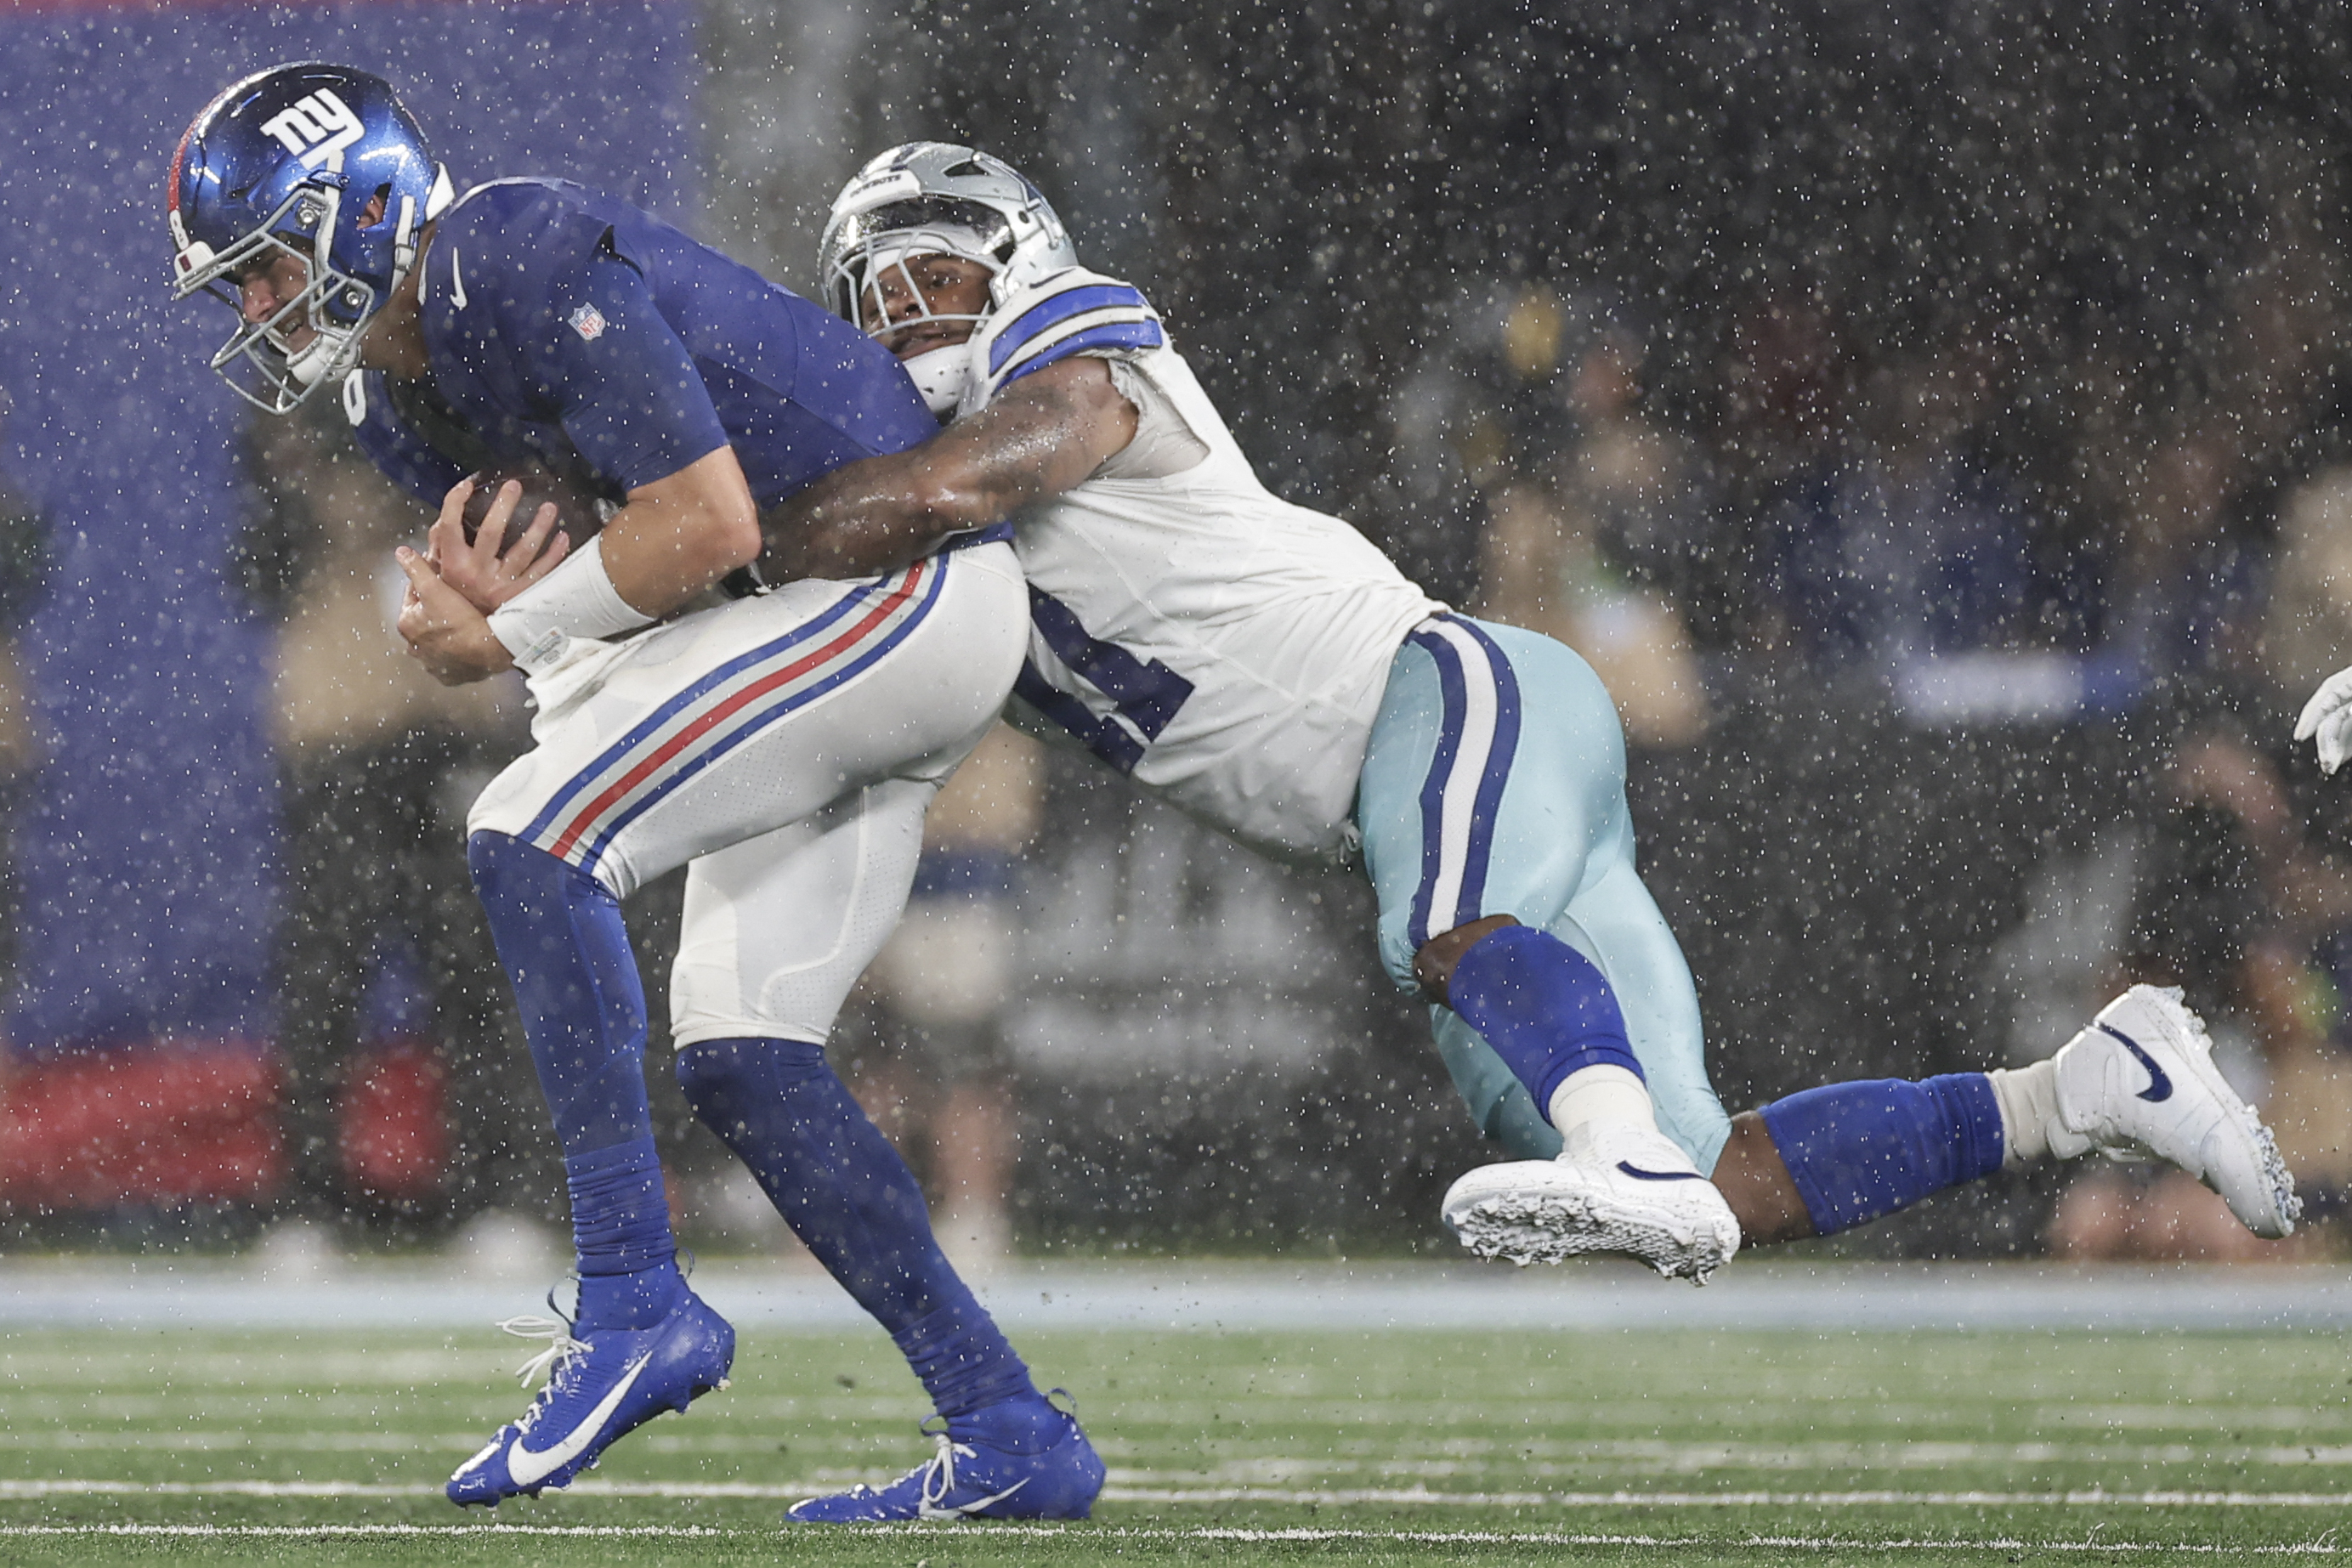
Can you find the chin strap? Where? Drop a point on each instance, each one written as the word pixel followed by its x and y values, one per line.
pixel 404 243
pixel 408 236
pixel 439 197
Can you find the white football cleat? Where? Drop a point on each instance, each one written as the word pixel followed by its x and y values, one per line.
pixel 2141 1081
pixel 1612 1189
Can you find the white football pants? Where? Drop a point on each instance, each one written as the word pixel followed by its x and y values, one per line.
pixel 784 748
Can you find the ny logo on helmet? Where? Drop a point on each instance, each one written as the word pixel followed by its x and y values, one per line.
pixel 317 130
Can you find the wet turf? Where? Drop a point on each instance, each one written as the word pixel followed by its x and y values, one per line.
pixel 1682 1448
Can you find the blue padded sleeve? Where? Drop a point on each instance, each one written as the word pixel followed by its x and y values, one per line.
pixel 1858 1150
pixel 1543 1007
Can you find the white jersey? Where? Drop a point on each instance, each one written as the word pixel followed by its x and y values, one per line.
pixel 1223 648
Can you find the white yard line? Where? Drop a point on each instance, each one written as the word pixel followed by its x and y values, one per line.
pixel 31 1491
pixel 1595 1459
pixel 307 1531
pixel 1159 1297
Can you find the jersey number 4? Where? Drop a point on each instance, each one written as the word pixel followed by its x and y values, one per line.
pixel 1144 694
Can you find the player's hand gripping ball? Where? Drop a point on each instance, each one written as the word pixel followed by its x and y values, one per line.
pixel 577 515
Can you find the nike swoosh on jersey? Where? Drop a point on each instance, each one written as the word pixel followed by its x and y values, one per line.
pixel 965 1510
pixel 2160 1087
pixel 1638 1173
pixel 527 1467
pixel 456 284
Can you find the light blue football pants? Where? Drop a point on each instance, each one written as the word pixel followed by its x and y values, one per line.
pixel 1495 784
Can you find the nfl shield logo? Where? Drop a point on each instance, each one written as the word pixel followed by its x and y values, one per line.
pixel 587 322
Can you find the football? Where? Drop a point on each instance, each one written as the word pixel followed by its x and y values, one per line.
pixel 578 515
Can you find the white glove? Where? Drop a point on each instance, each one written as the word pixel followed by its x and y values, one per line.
pixel 2328 715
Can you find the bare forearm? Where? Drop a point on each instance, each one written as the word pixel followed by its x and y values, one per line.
pixel 681 534
pixel 878 515
pixel 1045 434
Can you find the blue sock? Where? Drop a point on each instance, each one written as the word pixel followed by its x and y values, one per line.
pixel 560 935
pixel 1867 1148
pixel 620 1226
pixel 1542 1005
pixel 848 1195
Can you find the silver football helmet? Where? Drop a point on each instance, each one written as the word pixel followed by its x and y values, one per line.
pixel 935 198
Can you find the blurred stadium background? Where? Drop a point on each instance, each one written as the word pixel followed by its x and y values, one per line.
pixel 1934 421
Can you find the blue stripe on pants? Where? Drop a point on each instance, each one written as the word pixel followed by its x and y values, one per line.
pixel 1559 857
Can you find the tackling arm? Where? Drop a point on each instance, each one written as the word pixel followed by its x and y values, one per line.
pixel 1043 434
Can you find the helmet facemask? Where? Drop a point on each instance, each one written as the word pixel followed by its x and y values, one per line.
pixel 258 359
pixel 886 239
pixel 872 259
pixel 935 198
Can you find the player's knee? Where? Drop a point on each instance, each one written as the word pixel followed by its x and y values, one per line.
pixel 486 853
pixel 1433 966
pixel 500 864
pixel 721 1077
pixel 507 869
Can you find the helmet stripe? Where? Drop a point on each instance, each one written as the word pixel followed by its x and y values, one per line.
pixel 179 162
pixel 204 117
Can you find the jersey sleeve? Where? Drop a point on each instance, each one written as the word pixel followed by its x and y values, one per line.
pixel 403 454
pixel 621 381
pixel 1072 312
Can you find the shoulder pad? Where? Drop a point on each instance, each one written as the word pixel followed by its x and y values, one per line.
pixel 1069 312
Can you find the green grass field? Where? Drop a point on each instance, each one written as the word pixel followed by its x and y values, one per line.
pixel 1351 1447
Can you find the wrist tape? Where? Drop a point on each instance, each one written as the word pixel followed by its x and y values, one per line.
pixel 576 600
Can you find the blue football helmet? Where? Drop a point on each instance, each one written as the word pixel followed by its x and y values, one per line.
pixel 319 162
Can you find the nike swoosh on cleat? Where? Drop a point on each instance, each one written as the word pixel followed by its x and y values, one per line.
pixel 456 284
pixel 488 1449
pixel 1638 1173
pixel 2160 1087
pixel 524 1467
pixel 965 1510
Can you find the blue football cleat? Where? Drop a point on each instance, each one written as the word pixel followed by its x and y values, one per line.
pixel 601 1385
pixel 982 1471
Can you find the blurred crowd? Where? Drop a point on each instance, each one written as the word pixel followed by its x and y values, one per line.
pixel 1859 530
pixel 1940 444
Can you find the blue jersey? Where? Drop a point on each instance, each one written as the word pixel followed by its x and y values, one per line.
pixel 569 327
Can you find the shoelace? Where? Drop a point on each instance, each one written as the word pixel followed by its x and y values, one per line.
pixel 558 1328
pixel 552 1360
pixel 939 1476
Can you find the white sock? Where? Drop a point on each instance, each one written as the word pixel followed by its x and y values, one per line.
pixel 2028 1098
pixel 1602 1093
